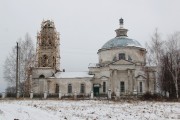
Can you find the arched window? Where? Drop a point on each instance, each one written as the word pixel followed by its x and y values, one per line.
pixel 82 89
pixel 57 88
pixel 44 61
pixel 41 76
pixel 69 88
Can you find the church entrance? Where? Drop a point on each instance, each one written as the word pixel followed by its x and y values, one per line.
pixel 96 89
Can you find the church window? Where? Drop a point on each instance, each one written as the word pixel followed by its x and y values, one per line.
pixel 140 87
pixel 57 88
pixel 41 76
pixel 104 86
pixel 82 90
pixel 69 88
pixel 121 56
pixel 122 86
pixel 44 61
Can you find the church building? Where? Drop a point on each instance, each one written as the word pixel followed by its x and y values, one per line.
pixel 121 68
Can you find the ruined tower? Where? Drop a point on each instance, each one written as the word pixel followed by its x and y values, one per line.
pixel 47 51
pixel 47 62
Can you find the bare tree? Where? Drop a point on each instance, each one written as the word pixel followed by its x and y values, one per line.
pixel 27 57
pixel 173 53
pixel 9 70
pixel 166 77
pixel 154 51
pixel 165 55
pixel 26 60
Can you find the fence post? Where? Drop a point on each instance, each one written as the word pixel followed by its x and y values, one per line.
pixel 117 94
pixel 135 92
pixel 167 94
pixel 45 95
pixel 31 94
pixel 109 94
pixel 92 94
pixel 59 94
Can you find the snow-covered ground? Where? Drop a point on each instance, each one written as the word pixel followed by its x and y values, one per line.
pixel 87 110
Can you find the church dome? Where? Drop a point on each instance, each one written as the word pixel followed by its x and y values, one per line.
pixel 121 41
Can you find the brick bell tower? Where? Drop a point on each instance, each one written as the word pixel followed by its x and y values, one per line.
pixel 47 51
pixel 47 61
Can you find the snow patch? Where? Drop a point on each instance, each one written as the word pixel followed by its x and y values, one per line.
pixel 87 109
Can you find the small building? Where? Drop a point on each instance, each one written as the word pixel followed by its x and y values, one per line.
pixel 121 68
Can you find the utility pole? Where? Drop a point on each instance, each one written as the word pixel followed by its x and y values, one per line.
pixel 17 68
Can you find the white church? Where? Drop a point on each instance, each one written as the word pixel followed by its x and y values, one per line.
pixel 121 68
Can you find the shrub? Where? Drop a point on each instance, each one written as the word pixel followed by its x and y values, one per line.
pixel 149 96
pixel 54 95
pixel 67 97
pixel 35 95
pixel 11 94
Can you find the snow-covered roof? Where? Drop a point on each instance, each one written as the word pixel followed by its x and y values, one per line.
pixel 94 65
pixel 72 75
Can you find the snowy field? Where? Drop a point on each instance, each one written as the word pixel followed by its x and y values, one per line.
pixel 87 110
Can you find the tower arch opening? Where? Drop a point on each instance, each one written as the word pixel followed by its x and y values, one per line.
pixel 41 76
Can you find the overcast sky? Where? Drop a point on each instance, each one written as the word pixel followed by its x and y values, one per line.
pixel 84 25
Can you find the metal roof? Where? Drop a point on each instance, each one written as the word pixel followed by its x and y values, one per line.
pixel 121 42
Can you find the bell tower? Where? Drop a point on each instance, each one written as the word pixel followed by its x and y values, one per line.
pixel 47 51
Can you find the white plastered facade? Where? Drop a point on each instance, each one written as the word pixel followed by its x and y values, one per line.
pixel 122 76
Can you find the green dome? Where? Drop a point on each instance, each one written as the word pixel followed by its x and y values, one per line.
pixel 121 41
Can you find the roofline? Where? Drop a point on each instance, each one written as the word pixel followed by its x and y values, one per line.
pixel 65 78
pixel 112 48
pixel 42 68
pixel 119 60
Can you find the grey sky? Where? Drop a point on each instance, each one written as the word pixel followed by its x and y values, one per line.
pixel 84 25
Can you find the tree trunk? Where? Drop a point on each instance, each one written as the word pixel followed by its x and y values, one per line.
pixel 177 90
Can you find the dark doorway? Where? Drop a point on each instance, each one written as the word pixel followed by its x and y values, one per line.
pixel 96 89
